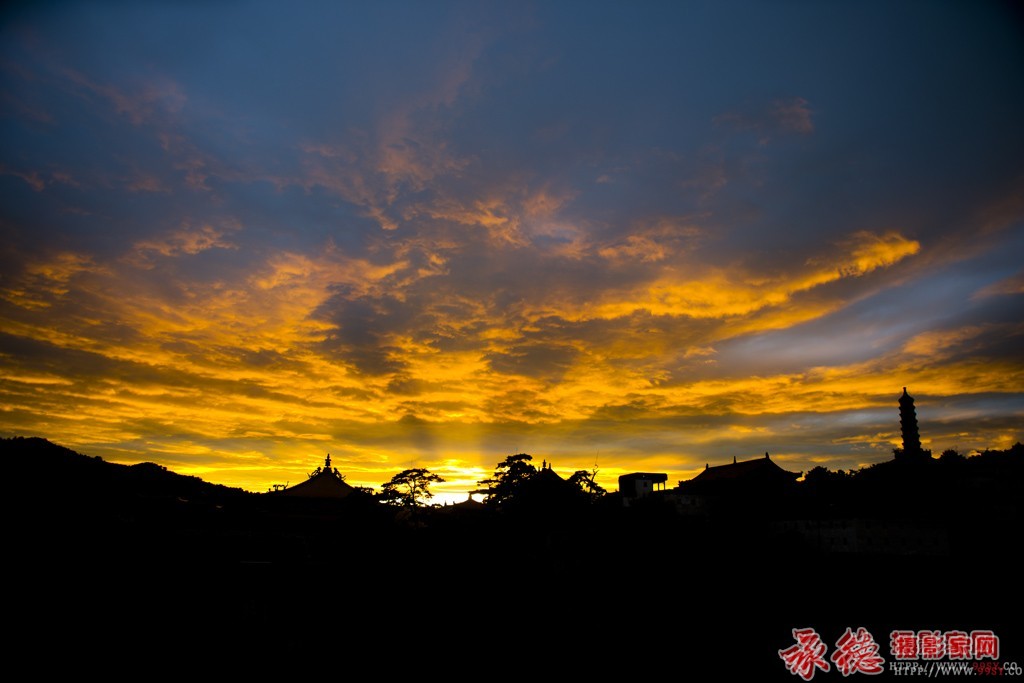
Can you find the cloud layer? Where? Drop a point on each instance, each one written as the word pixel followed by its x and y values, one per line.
pixel 237 238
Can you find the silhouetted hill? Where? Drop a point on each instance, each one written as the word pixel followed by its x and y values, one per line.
pixel 49 469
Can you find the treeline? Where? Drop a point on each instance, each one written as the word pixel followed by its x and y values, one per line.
pixel 53 471
pixel 950 486
pixel 516 482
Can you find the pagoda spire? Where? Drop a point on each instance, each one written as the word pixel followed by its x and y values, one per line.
pixel 908 425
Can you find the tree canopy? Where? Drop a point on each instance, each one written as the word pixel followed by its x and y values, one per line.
pixel 516 482
pixel 508 479
pixel 410 488
pixel 587 483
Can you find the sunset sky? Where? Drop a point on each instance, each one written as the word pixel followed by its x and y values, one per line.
pixel 641 236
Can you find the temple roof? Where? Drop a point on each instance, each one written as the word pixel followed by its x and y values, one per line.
pixel 469 503
pixel 760 471
pixel 325 482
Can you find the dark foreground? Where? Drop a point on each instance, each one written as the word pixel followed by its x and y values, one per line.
pixel 492 596
pixel 144 580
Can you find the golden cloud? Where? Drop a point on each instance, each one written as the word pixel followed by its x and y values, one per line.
pixel 187 240
pixel 710 292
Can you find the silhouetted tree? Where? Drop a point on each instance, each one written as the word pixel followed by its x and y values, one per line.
pixel 822 476
pixel 586 482
pixel 409 487
pixel 828 488
pixel 920 453
pixel 509 478
pixel 951 455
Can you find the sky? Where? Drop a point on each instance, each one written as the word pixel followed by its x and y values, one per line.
pixel 632 236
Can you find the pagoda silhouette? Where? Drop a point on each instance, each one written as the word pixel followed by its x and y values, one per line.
pixel 908 426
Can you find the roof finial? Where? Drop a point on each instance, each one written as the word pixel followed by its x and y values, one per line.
pixel 734 460
pixel 766 455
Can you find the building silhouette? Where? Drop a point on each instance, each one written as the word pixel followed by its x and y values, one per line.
pixel 908 427
pixel 638 485
pixel 323 482
pixel 756 487
pixel 760 475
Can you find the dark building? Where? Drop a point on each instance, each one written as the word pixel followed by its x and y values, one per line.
pixel 761 475
pixel 753 488
pixel 323 482
pixel 640 485
pixel 908 426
